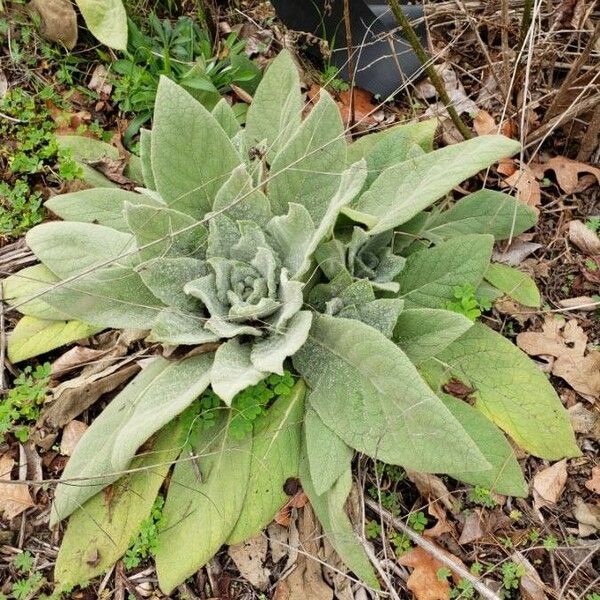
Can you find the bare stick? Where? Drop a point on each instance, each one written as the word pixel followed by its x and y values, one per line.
pixel 432 549
pixel 429 69
pixel 347 27
pixel 525 21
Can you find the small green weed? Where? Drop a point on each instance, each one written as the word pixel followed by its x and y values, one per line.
pixel 330 77
pixel 25 589
pixel 29 155
pixel 463 589
pixel 373 530
pixel 481 496
pixel 466 302
pixel 550 542
pixel 593 223
pixel 146 542
pixel 418 521
pixel 23 402
pixel 401 543
pixel 23 562
pixel 511 575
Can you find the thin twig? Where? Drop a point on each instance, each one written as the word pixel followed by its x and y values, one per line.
pixel 436 80
pixel 432 549
pixel 347 27
pixel 525 21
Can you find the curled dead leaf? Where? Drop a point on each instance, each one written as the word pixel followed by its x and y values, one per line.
pixel 484 123
pixel 567 173
pixel 593 483
pixel 14 497
pixel 526 185
pixel 71 435
pixel 549 484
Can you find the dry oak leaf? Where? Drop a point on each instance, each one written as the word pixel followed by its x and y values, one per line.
pixel 14 498
pixel 250 557
pixel 566 343
pixel 549 484
pixel 567 173
pixel 424 582
pixel 593 483
pixel 484 123
pixel 526 184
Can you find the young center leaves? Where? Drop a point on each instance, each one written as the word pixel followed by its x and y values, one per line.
pixel 267 249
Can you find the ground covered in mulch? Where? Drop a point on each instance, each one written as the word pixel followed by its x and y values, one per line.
pixel 537 82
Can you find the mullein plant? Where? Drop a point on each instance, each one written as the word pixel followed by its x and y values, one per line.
pixel 275 249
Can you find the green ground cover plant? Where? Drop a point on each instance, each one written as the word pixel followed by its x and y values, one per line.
pixel 281 249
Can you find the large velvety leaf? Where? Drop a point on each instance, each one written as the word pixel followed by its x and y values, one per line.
pixel 308 169
pixel 514 283
pixel 157 395
pixel 327 455
pixel 330 510
pixel 485 211
pixel 424 332
pixel 164 232
pixel 146 159
pixel 31 283
pixel 205 499
pixel 418 133
pixel 275 456
pixel 101 530
pixel 368 392
pixel 505 476
pixel 101 288
pixel 276 109
pixel 430 276
pixel 33 336
pixel 404 190
pixel 107 21
pixel 103 206
pixel 509 389
pixel 192 157
pixel 225 117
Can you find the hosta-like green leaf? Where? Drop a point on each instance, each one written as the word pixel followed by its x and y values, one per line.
pixel 509 389
pixel 225 117
pixel 32 336
pixel 430 276
pixel 103 206
pixel 327 455
pixel 192 157
pixel 275 456
pixel 31 282
pixel 276 109
pixel 205 499
pixel 164 232
pixel 146 158
pixel 404 190
pixel 158 394
pixel 101 530
pixel 330 510
pixel 308 168
pixel 425 332
pixel 107 21
pixel 421 133
pixel 514 283
pixel 505 476
pixel 485 211
pixel 352 372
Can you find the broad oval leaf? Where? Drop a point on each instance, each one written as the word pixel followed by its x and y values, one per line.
pixel 353 374
pixel 509 389
pixel 430 276
pixel 425 332
pixel 100 532
pixel 32 336
pixel 106 20
pixel 205 499
pixel 146 159
pixel 485 211
pixel 406 189
pixel 103 206
pixel 157 395
pixel 192 157
pixel 276 109
pixel 517 285
pixel 275 457
pixel 308 168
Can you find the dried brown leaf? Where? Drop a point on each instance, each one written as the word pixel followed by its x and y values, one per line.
pixel 567 173
pixel 250 557
pixel 588 517
pixel 593 483
pixel 71 435
pixel 14 497
pixel 484 123
pixel 58 21
pixel 584 238
pixel 549 484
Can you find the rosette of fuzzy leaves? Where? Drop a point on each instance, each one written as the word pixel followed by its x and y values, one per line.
pixel 280 243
